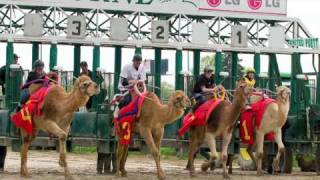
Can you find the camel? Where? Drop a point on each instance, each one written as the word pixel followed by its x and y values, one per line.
pixel 150 124
pixel 57 111
pixel 274 117
pixel 220 123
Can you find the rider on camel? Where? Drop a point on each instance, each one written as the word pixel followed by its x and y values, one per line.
pixel 204 87
pixel 130 75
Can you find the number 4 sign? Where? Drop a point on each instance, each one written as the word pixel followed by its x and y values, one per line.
pixel 160 31
pixel 76 27
pixel 239 36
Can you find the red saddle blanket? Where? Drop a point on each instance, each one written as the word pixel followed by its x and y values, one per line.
pixel 126 117
pixel 200 116
pixel 252 118
pixel 23 118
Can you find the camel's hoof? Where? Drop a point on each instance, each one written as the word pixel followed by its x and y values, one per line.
pixel 193 175
pixel 260 173
pixel 162 177
pixel 25 175
pixel 69 177
pixel 62 163
pixel 118 175
pixel 205 166
pixel 226 176
pixel 275 166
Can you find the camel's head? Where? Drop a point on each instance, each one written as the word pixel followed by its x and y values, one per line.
pixel 180 100
pixel 244 89
pixel 87 86
pixel 283 93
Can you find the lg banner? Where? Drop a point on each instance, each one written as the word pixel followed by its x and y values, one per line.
pixel 271 7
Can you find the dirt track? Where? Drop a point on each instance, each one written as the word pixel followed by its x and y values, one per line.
pixel 44 166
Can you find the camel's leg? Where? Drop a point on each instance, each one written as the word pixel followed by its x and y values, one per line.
pixel 224 154
pixel 194 144
pixel 211 140
pixel 123 160
pixel 53 128
pixel 146 134
pixel 26 141
pixel 157 136
pixel 276 161
pixel 250 152
pixel 259 153
pixel 120 152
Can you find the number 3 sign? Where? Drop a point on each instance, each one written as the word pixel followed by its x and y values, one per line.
pixel 239 36
pixel 160 31
pixel 76 27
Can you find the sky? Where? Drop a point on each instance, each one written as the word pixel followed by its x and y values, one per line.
pixel 306 10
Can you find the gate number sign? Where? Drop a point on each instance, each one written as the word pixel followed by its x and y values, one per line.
pixel 76 27
pixel 239 36
pixel 160 31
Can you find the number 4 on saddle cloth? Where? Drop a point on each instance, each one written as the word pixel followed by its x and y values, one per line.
pixel 251 118
pixel 200 116
pixel 124 121
pixel 23 118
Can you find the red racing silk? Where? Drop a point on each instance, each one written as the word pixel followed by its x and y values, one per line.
pixel 252 118
pixel 23 118
pixel 200 116
pixel 127 115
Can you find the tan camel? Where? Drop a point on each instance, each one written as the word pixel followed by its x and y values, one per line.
pixel 57 112
pixel 273 119
pixel 220 123
pixel 150 124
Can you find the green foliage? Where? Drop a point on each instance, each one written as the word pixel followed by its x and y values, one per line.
pixel 208 60
pixel 166 90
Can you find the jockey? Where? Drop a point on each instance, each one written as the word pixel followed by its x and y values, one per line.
pixel 130 75
pixel 204 85
pixel 249 77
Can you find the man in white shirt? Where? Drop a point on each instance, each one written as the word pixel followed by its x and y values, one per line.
pixel 130 75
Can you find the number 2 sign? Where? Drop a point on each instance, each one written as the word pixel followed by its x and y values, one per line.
pixel 76 27
pixel 160 31
pixel 239 36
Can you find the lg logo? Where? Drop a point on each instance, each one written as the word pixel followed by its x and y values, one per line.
pixel 255 4
pixel 214 3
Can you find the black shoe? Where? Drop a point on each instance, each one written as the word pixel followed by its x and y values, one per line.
pixel 18 108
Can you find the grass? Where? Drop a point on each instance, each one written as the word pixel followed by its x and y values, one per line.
pixel 84 150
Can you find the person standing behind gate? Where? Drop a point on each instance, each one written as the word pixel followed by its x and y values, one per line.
pixel 85 71
pixel 3 149
pixel 3 72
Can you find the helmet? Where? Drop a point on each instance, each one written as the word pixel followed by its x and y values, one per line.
pixel 38 63
pixel 137 57
pixel 249 70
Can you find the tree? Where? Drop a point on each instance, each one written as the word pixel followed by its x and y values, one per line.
pixel 208 60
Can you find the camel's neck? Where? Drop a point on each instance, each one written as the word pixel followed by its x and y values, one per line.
pixel 171 113
pixel 75 100
pixel 284 106
pixel 236 106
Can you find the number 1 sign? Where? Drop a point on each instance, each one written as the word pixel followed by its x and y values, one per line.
pixel 76 27
pixel 239 36
pixel 160 31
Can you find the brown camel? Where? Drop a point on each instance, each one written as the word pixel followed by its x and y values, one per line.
pixel 57 111
pixel 150 124
pixel 273 119
pixel 220 123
